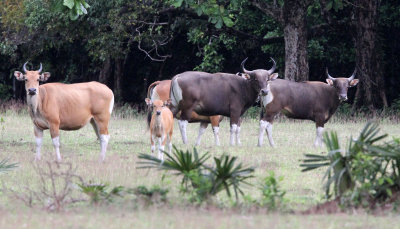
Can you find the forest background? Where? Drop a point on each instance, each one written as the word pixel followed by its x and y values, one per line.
pixel 128 44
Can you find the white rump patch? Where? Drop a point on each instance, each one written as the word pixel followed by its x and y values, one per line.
pixel 266 99
pixel 154 95
pixel 111 104
pixel 176 93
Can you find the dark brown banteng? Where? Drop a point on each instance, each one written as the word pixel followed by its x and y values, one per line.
pixel 160 90
pixel 58 106
pixel 316 101
pixel 217 94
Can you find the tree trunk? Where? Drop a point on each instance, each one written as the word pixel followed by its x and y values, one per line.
pixel 371 90
pixel 295 34
pixel 105 73
pixel 117 79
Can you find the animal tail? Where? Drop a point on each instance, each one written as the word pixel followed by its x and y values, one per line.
pixel 151 88
pixel 175 93
pixel 111 106
pixel 149 108
pixel 148 118
pixel 262 113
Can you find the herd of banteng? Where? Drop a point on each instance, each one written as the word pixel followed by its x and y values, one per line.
pixel 190 97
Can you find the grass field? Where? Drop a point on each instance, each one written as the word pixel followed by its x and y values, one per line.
pixel 129 138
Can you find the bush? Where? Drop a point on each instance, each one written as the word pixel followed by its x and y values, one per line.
pixel 198 179
pixel 153 195
pixel 55 189
pixel 271 193
pixel 100 193
pixel 366 172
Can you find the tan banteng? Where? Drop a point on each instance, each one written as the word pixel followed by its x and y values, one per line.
pixel 161 126
pixel 58 106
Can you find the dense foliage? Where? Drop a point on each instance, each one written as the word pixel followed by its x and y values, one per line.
pixel 367 171
pixel 129 44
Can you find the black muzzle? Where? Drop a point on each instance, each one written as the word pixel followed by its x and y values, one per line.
pixel 264 92
pixel 342 98
pixel 32 91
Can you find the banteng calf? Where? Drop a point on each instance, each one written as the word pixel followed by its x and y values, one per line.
pixel 316 101
pixel 161 126
pixel 58 106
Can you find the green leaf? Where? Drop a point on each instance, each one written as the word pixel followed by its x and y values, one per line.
pixel 69 3
pixel 228 22
pixel 85 4
pixel 177 3
pixel 329 5
pixel 219 23
pixel 83 9
pixel 73 15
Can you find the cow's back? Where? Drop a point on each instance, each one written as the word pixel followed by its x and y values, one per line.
pixel 75 104
pixel 161 91
pixel 213 91
pixel 302 100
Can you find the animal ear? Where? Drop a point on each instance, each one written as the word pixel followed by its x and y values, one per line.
pixel 148 101
pixel 329 81
pixel 246 76
pixel 273 76
pixel 353 83
pixel 44 77
pixel 168 102
pixel 19 76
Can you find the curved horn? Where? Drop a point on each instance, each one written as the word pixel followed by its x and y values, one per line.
pixel 40 69
pixel 273 67
pixel 242 66
pixel 353 75
pixel 329 76
pixel 25 67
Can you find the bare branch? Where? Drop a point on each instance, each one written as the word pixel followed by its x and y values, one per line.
pixel 156 43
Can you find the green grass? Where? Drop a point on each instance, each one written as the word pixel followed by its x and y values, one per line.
pixel 129 138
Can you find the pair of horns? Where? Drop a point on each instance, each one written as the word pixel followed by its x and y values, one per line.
pixel 349 79
pixel 249 72
pixel 40 69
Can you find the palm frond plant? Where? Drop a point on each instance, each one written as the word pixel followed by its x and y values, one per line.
pixel 366 167
pixel 226 174
pixel 198 178
pixel 182 163
pixel 5 165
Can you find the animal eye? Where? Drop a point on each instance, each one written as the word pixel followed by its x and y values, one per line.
pixel 26 79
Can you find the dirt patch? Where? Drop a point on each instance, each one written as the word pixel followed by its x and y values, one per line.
pixel 330 207
pixel 374 207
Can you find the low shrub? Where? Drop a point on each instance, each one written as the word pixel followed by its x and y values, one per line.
pixel 153 195
pixel 198 179
pixel 100 193
pixel 271 193
pixel 365 173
